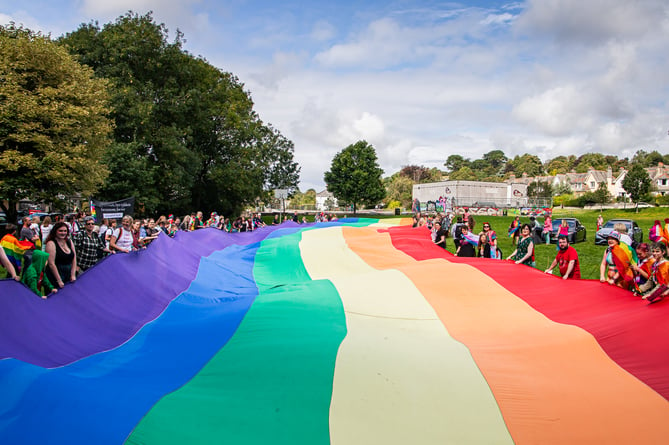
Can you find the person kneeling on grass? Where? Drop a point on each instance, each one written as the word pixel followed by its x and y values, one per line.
pixel 567 260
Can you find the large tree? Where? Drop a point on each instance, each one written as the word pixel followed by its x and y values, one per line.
pixel 456 162
pixel 637 183
pixel 53 121
pixel 185 130
pixel 355 176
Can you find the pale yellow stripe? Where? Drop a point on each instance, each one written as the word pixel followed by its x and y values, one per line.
pixel 400 378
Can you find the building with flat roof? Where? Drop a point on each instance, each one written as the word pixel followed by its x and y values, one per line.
pixel 472 194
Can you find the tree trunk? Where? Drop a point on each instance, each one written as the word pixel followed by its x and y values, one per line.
pixel 10 211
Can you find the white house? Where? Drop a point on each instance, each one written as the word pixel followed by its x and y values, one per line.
pixel 660 177
pixel 325 201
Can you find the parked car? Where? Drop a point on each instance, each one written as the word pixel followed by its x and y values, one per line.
pixel 633 230
pixel 577 231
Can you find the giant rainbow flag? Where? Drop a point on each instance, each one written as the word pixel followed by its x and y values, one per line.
pixel 351 332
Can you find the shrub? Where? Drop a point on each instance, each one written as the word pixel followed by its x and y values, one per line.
pixel 662 200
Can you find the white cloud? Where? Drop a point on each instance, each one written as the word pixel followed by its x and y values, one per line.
pixel 498 19
pixel 592 21
pixel 383 43
pixel 559 111
pixel 323 30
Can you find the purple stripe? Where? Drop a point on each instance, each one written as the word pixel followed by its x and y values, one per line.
pixel 108 304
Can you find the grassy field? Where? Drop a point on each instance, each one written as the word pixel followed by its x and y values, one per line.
pixel 590 255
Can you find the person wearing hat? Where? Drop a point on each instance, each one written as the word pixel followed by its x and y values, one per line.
pixel 617 263
pixel 567 260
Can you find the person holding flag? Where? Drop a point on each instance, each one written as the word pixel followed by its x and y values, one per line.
pixel 491 236
pixel 466 243
pixel 14 249
pixel 7 264
pixel 514 229
pixel 616 267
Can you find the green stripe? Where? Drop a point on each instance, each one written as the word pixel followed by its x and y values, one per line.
pixel 272 382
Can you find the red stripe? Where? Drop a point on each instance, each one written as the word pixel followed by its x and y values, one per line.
pixel 634 334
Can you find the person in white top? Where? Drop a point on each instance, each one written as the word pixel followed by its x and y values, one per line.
pixel 121 239
pixel 45 229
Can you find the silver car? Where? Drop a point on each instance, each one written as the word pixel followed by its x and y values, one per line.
pixel 633 230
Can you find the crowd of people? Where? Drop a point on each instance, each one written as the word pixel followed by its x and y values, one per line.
pixel 639 267
pixel 46 255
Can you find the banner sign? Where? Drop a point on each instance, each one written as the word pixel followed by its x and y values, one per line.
pixel 112 210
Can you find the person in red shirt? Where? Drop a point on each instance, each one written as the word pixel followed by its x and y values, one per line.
pixel 567 260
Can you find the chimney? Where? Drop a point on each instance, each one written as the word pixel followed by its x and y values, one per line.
pixel 609 175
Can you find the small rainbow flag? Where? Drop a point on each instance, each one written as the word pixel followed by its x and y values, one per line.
pixel 15 249
pixel 94 214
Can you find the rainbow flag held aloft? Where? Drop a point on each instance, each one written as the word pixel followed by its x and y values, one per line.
pixel 15 249
pixel 348 332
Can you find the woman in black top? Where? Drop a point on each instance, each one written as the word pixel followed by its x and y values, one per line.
pixel 62 263
pixel 465 248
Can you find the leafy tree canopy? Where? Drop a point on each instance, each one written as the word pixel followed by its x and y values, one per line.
pixel 456 162
pixel 649 159
pixel 54 127
pixel 637 183
pixel 421 174
pixel 355 176
pixel 399 188
pixel 185 129
pixel 527 163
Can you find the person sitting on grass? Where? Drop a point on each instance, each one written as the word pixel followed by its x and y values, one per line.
pixel 567 260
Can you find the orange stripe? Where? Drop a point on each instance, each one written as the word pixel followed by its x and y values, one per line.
pixel 553 382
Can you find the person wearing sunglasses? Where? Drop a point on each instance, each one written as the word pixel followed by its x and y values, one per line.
pixel 89 246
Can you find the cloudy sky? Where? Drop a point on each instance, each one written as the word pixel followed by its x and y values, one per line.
pixel 421 80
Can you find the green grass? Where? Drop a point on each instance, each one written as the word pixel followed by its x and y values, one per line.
pixel 590 256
